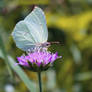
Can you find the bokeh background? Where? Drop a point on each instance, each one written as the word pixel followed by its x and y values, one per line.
pixel 70 23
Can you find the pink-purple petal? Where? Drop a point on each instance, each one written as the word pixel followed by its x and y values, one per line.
pixel 39 58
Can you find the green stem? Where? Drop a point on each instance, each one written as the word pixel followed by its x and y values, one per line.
pixel 40 83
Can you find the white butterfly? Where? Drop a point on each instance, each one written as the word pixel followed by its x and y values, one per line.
pixel 32 31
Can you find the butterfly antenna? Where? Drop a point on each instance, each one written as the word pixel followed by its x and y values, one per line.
pixel 57 43
pixel 33 7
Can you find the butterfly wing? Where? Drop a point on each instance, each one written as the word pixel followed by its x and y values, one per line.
pixel 31 31
pixel 38 21
pixel 23 37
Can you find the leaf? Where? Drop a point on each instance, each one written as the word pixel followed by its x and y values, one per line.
pixel 83 76
pixel 30 85
pixel 10 62
pixel 3 54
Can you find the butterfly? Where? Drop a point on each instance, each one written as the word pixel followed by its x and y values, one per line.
pixel 31 32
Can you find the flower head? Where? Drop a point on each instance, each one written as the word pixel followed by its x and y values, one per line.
pixel 38 60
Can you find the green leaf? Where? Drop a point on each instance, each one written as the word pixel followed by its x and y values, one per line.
pixel 22 75
pixel 11 64
pixel 4 55
pixel 83 76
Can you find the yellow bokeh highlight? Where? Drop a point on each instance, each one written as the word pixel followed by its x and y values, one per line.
pixel 75 25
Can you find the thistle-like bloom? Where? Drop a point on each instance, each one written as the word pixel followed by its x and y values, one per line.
pixel 38 60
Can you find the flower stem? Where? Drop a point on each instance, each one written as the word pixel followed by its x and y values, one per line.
pixel 40 83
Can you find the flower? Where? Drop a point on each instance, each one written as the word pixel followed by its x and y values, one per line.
pixel 38 60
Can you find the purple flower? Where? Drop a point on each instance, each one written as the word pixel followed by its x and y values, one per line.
pixel 38 60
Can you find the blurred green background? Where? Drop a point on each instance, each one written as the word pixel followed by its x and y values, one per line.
pixel 69 22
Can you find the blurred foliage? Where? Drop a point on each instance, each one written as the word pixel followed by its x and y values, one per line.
pixel 69 22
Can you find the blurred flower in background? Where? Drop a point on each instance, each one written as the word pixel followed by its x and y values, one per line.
pixel 9 88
